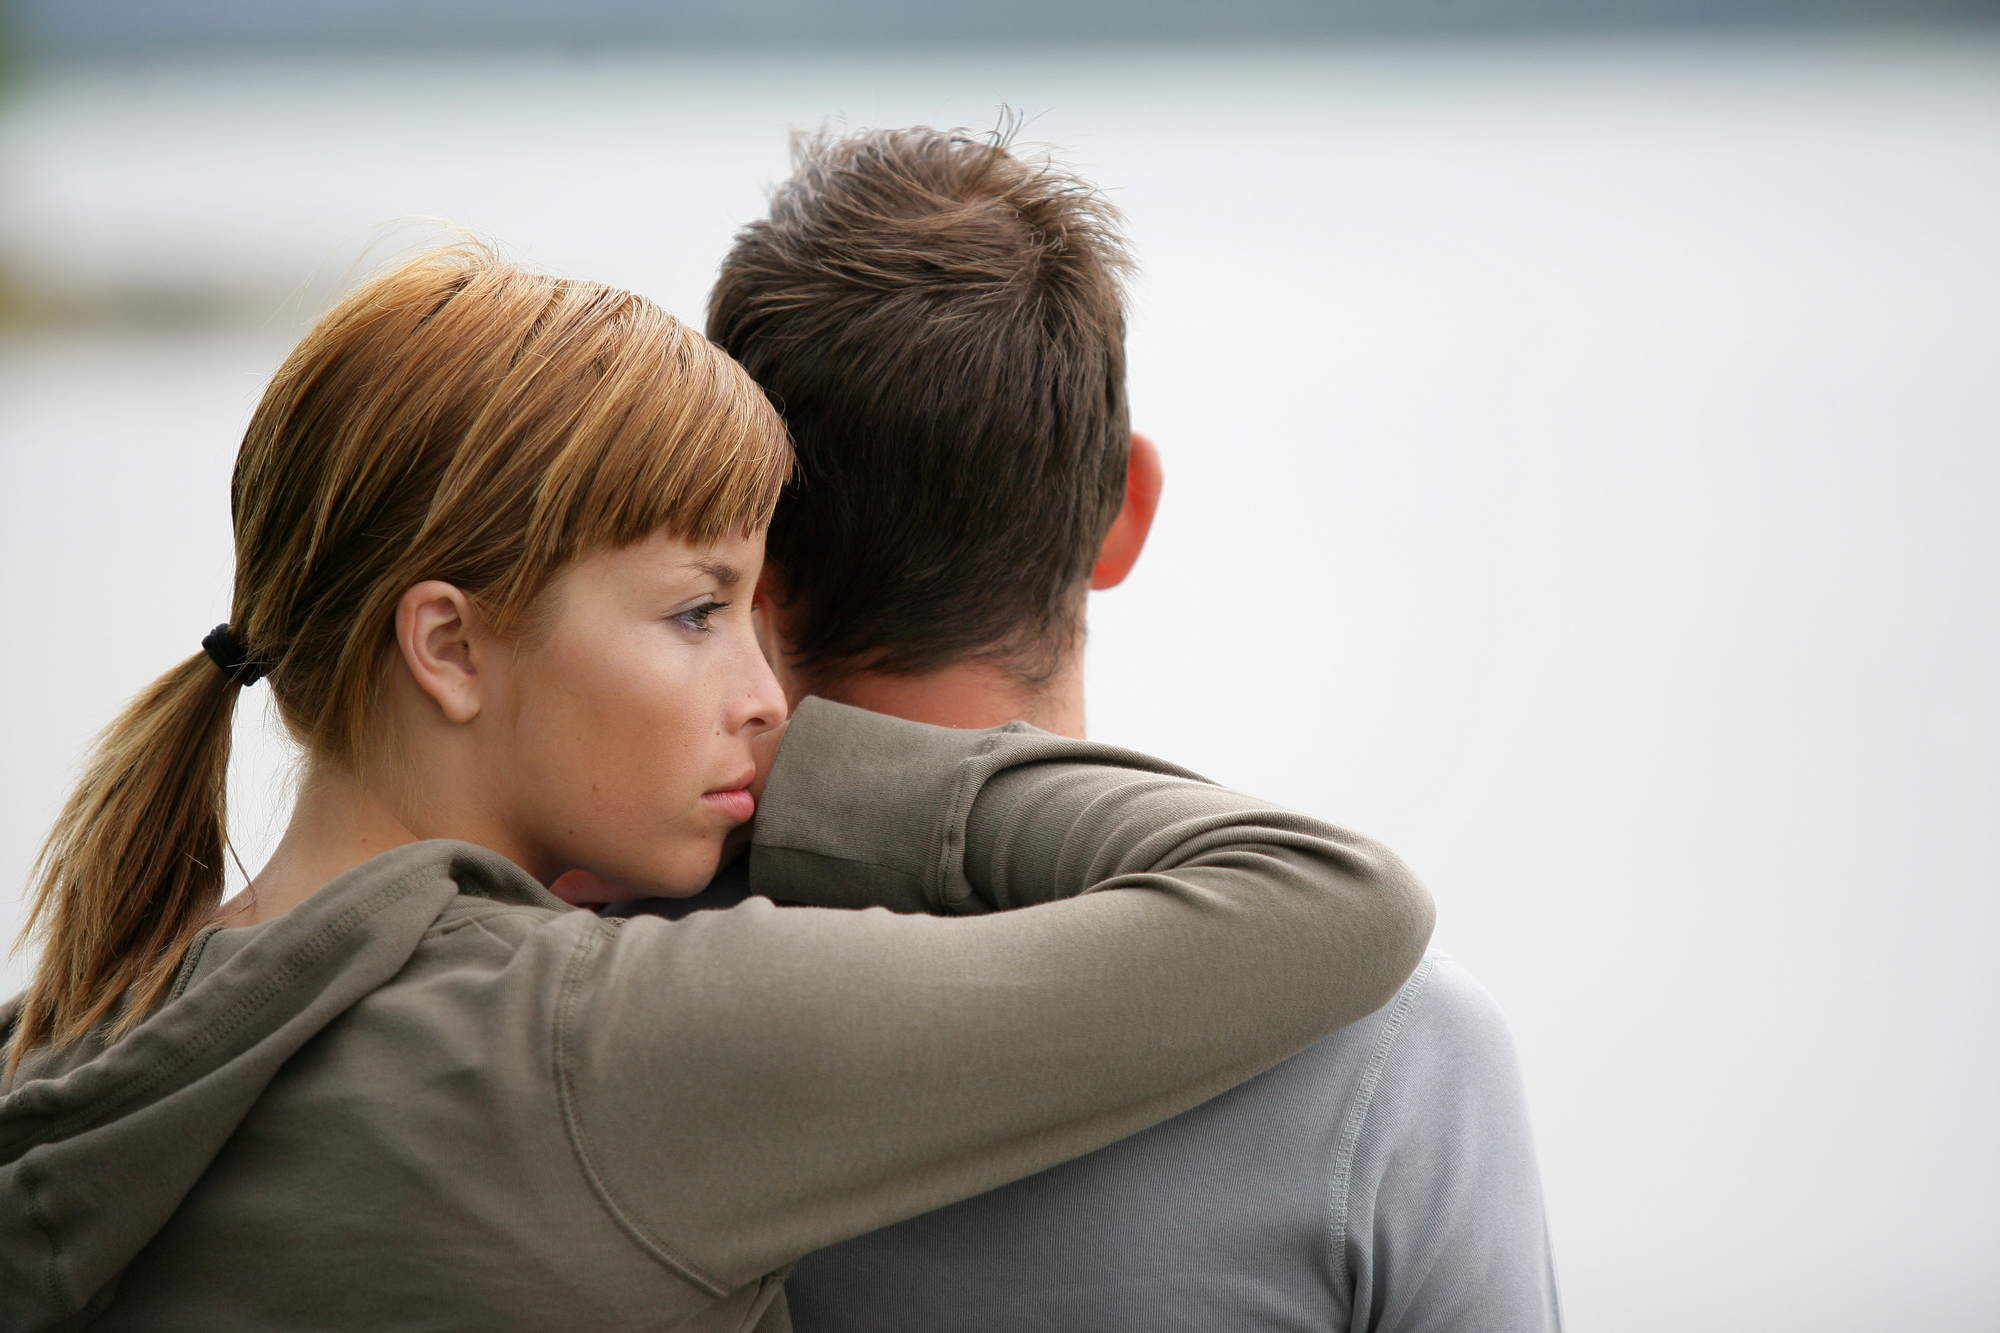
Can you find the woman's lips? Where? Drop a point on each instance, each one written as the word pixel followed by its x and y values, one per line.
pixel 735 802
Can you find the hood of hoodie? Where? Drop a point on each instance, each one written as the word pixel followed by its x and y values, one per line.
pixel 100 1143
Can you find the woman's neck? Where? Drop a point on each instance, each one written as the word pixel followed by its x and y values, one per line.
pixel 336 824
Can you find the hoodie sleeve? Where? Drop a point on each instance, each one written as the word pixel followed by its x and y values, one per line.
pixel 746 1086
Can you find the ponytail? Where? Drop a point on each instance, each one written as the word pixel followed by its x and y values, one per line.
pixel 133 866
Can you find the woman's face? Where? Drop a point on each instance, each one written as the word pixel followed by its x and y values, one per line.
pixel 627 725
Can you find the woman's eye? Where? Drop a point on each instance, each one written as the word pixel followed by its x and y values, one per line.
pixel 696 618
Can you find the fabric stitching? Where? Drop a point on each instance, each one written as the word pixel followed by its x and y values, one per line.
pixel 192 963
pixel 457 924
pixel 478 923
pixel 484 912
pixel 1357 1115
pixel 225 1023
pixel 968 777
pixel 767 1289
pixel 59 1289
pixel 580 957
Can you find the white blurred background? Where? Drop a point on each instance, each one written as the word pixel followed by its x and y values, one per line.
pixel 1583 447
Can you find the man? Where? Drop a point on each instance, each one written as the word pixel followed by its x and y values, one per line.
pixel 942 324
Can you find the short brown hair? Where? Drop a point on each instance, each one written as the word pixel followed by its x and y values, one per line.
pixel 942 325
pixel 456 418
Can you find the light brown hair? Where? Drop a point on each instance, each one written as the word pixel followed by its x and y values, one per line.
pixel 456 418
pixel 941 322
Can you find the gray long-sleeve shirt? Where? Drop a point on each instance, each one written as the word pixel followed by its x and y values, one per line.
pixel 1382 1179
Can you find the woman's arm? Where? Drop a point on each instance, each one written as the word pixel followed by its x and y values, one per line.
pixel 746 1086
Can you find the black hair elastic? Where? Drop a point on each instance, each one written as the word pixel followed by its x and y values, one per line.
pixel 237 662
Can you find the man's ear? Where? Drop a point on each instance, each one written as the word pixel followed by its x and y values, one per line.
pixel 434 630
pixel 770 587
pixel 767 615
pixel 1127 537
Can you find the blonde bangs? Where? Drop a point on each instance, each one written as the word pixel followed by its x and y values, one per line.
pixel 571 416
pixel 675 438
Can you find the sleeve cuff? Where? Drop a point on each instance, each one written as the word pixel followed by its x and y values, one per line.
pixel 859 808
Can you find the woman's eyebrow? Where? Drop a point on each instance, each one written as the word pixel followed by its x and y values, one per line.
pixel 726 575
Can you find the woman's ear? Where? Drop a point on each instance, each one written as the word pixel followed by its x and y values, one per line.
pixel 1127 537
pixel 434 629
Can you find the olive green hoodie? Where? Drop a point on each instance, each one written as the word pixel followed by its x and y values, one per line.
pixel 434 1096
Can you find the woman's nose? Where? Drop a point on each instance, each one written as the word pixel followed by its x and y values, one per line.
pixel 761 705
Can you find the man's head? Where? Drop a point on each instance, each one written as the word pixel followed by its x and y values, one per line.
pixel 942 325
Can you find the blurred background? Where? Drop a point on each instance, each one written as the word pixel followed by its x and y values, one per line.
pixel 1581 424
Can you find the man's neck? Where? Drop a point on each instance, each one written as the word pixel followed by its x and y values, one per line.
pixel 969 695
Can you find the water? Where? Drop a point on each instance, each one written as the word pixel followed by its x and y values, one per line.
pixel 1581 465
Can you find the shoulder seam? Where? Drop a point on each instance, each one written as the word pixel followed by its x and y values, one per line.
pixel 31 1185
pixel 1357 1115
pixel 572 987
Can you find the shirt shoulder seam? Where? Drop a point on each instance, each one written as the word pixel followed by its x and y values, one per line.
pixel 584 953
pixel 1357 1116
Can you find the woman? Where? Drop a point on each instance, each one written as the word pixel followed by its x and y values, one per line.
pixel 495 536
